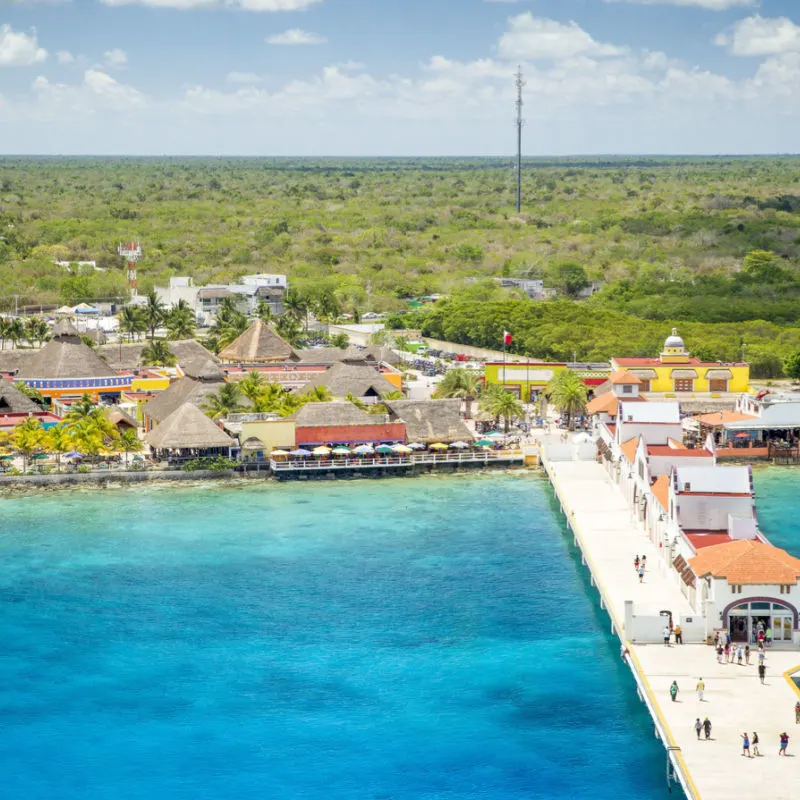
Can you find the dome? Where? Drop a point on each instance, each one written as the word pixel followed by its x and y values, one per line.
pixel 673 340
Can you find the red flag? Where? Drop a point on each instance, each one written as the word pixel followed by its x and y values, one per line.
pixel 507 339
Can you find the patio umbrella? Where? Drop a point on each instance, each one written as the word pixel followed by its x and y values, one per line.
pixel 416 446
pixel 384 448
pixel 402 448
pixel 741 435
pixel 495 435
pixel 6 458
pixel 364 449
pixel 279 453
pixel 459 445
pixel 322 451
pixel 300 453
pixel 40 457
pixel 438 446
pixel 485 443
pixel 341 450
pixel 73 454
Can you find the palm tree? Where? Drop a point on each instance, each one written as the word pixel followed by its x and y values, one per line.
pixel 229 324
pixel 319 394
pixel 4 329
pixel 181 321
pixel 29 391
pixel 395 395
pixel 501 405
pixel 263 311
pixel 297 305
pixel 59 441
pixel 461 383
pixel 80 409
pixel 288 328
pixel 223 404
pixel 356 401
pixel 340 340
pixel 131 321
pixel 567 392
pixel 129 441
pixel 15 331
pixel 89 427
pixel 29 439
pixel 252 385
pixel 36 330
pixel 272 398
pixel 157 352
pixel 154 312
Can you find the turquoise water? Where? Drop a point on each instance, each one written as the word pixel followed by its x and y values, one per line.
pixel 778 505
pixel 425 639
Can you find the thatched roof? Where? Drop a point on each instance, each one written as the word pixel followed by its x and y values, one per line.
pixel 185 390
pixel 12 360
pixel 344 379
pixel 64 329
pixel 322 355
pixel 429 421
pixel 187 428
pixel 373 354
pixel 64 358
pixel 116 415
pixel 253 443
pixel 13 401
pixel 203 369
pixel 258 344
pixel 129 356
pixel 338 413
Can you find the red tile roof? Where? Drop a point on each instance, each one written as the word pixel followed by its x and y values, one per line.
pixel 629 449
pixel 657 362
pixel 747 561
pixel 679 452
pixel 660 490
pixel 621 377
pixel 700 540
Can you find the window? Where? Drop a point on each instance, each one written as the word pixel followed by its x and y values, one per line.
pixel 785 589
pixel 684 384
pixel 644 386
pixel 627 389
pixel 718 386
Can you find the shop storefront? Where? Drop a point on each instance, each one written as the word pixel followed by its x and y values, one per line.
pixel 746 619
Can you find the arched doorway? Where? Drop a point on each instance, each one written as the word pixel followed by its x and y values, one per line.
pixel 744 619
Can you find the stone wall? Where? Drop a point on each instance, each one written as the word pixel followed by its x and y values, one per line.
pixel 52 481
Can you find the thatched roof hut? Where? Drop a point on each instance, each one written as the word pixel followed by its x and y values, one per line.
pixel 64 329
pixel 120 419
pixel 188 428
pixel 430 421
pixel 336 413
pixel 13 401
pixel 203 369
pixel 259 344
pixel 344 379
pixel 322 355
pixel 65 357
pixel 185 390
pixel 129 356
pixel 253 445
pixel 373 354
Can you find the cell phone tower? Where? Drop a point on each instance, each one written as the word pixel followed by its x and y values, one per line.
pixel 131 252
pixel 519 123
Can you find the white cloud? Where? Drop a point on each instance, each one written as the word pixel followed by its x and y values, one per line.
pixel 295 36
pixel 530 38
pixel 243 77
pixel 242 5
pixel 98 92
pixel 65 57
pixel 19 49
pixel 711 5
pixel 116 58
pixel 761 36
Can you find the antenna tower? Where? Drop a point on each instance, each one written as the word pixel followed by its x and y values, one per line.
pixel 131 252
pixel 519 123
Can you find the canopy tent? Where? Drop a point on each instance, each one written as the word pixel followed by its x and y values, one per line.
pixel 416 446
pixel 322 451
pixel 279 453
pixel 342 451
pixel 364 449
pixel 438 446
pixel 300 453
pixel 384 448
pixel 402 449
pixel 459 445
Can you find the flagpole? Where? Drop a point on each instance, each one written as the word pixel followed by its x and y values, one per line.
pixel 504 360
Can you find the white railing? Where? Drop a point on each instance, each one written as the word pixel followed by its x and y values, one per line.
pixel 354 462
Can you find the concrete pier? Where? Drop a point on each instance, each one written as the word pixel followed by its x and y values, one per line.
pixel 734 701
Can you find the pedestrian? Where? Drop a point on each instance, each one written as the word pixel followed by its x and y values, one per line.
pixel 719 653
pixel 784 743
pixel 739 655
pixel 746 745
pixel 760 639
pixel 623 651
pixel 762 671
pixel 665 634
pixel 701 687
pixel 678 635
pixel 761 656
pixel 644 562
pixel 636 563
pixel 769 637
pixel 727 653
pixel 716 640
pixel 747 654
pixel 755 744
pixel 728 639
pixel 698 726
pixel 707 728
pixel 641 574
pixel 673 690
pixel 797 712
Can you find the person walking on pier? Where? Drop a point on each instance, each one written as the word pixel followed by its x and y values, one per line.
pixel 747 654
pixel 641 574
pixel 797 712
pixel 746 745
pixel 707 728
pixel 720 653
pixel 698 726
pixel 755 744
pixel 739 655
pixel 784 743
pixel 727 652
pixel 701 687
pixel 673 691
pixel 678 635
pixel 665 634
pixel 636 563
pixel 762 671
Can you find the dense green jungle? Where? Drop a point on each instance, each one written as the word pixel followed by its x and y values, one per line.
pixel 711 245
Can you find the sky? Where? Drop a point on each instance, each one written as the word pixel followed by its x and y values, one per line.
pixel 398 77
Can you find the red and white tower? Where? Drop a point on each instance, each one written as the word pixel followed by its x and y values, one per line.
pixel 131 252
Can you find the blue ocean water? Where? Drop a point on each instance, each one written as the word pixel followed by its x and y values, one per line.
pixel 778 505
pixel 425 639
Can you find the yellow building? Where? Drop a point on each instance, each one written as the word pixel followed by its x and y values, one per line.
pixel 675 371
pixel 153 379
pixel 526 379
pixel 275 434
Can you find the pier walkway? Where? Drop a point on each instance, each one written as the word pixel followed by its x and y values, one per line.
pixel 734 701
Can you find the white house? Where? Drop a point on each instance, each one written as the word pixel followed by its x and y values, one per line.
pixel 746 586
pixel 655 421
